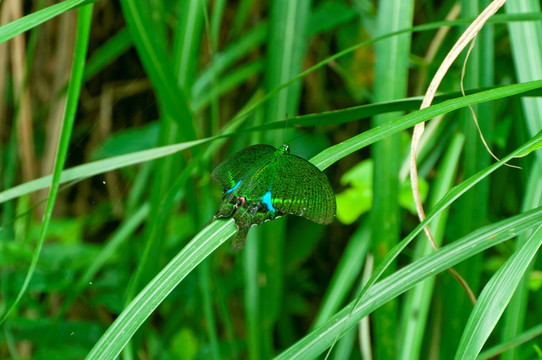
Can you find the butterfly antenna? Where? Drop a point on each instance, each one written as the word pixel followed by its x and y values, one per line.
pixel 285 129
pixel 297 137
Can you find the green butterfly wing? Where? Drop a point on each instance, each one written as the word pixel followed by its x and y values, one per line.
pixel 300 188
pixel 262 183
pixel 257 183
pixel 242 164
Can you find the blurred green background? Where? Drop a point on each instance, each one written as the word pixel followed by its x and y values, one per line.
pixel 101 87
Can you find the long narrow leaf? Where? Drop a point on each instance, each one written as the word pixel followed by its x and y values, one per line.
pixel 495 297
pixel 28 22
pixel 116 337
pixel 121 331
pixel 74 89
pixel 317 341
pixel 322 342
pixel 97 167
pixel 323 160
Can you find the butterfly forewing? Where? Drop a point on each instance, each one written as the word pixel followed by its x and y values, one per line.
pixel 242 164
pixel 300 188
pixel 257 183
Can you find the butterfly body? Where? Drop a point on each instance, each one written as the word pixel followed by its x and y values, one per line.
pixel 262 183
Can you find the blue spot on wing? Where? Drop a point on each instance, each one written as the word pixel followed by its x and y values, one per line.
pixel 235 187
pixel 266 199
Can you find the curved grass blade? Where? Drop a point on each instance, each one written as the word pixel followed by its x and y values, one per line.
pixel 127 323
pixel 525 38
pixel 495 297
pixel 23 24
pixel 426 27
pixel 334 153
pixel 307 343
pixel 116 337
pixel 74 88
pixel 342 116
pixel 322 160
pixel 496 350
pixel 514 317
pixel 98 167
pixel 317 341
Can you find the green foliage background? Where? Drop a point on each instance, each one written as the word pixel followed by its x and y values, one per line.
pixel 113 114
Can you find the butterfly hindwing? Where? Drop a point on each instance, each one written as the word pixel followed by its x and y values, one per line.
pixel 241 164
pixel 300 188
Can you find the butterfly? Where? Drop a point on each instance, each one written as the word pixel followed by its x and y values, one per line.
pixel 262 183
